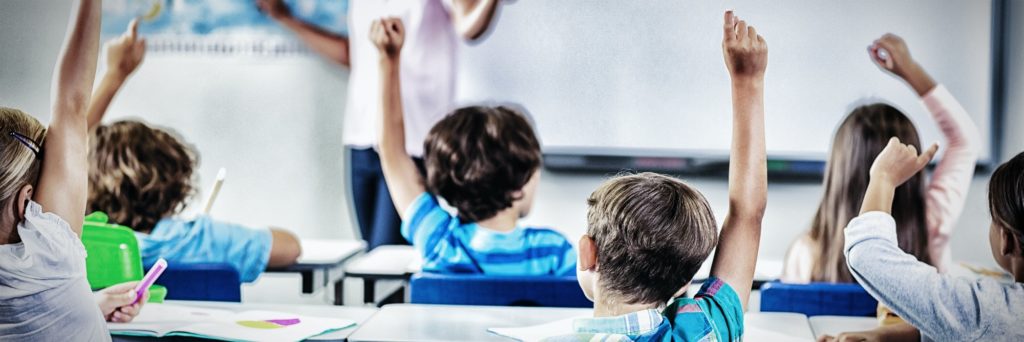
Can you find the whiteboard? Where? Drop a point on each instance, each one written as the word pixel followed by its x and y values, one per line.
pixel 619 77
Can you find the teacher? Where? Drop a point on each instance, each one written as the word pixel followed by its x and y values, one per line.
pixel 433 30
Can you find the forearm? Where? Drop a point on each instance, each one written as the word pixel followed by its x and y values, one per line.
pixel 919 79
pixel 76 66
pixel 473 17
pixel 329 45
pixel 400 173
pixel 748 174
pixel 878 196
pixel 103 96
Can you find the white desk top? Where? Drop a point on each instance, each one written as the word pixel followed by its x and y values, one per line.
pixel 418 322
pixel 776 326
pixel 328 251
pixel 355 313
pixel 833 325
pixel 386 261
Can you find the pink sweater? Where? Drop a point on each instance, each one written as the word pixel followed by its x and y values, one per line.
pixel 946 192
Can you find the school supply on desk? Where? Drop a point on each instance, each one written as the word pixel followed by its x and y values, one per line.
pixel 113 255
pixel 161 320
pixel 537 332
pixel 149 279
pixel 208 204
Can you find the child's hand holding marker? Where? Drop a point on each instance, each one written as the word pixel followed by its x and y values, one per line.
pixel 118 302
pixel 891 54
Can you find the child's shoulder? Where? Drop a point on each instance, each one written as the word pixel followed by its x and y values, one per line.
pixel 545 236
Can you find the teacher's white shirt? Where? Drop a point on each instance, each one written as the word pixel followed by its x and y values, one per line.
pixel 427 69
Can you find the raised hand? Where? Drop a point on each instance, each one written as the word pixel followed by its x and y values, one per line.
pixel 388 34
pixel 898 162
pixel 276 9
pixel 125 53
pixel 890 53
pixel 746 52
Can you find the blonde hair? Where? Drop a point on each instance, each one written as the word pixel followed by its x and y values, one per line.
pixel 19 164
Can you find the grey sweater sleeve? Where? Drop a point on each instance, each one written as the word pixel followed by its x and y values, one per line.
pixel 942 307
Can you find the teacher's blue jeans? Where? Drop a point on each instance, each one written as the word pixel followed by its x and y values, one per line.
pixel 378 221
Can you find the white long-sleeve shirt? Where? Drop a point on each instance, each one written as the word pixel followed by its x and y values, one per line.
pixel 942 307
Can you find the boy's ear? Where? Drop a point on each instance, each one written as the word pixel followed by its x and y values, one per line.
pixel 588 253
pixel 1010 244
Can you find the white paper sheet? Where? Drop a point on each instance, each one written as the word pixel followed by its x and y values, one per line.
pixel 170 320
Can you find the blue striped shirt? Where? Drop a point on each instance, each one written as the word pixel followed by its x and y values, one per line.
pixel 450 246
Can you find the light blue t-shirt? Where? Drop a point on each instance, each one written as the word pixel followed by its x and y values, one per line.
pixel 450 246
pixel 203 240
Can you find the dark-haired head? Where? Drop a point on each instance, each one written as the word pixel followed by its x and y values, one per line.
pixel 858 140
pixel 1006 204
pixel 481 160
pixel 139 174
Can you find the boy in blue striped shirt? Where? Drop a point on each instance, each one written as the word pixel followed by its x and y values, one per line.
pixel 484 162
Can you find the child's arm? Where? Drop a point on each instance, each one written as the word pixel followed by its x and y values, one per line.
pixel 901 332
pixel 64 180
pixel 400 173
pixel 914 290
pixel 947 190
pixel 473 17
pixel 124 55
pixel 285 248
pixel 329 45
pixel 746 56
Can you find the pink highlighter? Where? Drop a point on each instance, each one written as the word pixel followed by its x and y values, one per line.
pixel 148 280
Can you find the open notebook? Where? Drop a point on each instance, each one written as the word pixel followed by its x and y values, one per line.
pixel 159 320
pixel 780 327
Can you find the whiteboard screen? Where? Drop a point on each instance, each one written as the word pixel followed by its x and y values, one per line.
pixel 647 77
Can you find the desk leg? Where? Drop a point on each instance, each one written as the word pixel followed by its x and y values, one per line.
pixel 368 290
pixel 307 281
pixel 339 292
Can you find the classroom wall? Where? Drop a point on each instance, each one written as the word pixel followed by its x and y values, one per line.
pixel 284 155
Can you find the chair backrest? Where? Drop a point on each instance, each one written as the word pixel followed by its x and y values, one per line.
pixel 207 281
pixel 818 299
pixel 476 289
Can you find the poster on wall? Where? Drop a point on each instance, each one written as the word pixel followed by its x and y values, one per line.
pixel 220 27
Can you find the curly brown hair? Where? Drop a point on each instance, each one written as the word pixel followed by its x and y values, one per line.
pixel 139 174
pixel 479 158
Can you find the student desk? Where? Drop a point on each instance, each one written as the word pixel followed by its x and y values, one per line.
pixel 358 314
pixel 385 262
pixel 833 325
pixel 321 261
pixel 421 322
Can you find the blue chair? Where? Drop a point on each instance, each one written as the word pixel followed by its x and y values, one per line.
pixel 817 299
pixel 208 282
pixel 477 289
